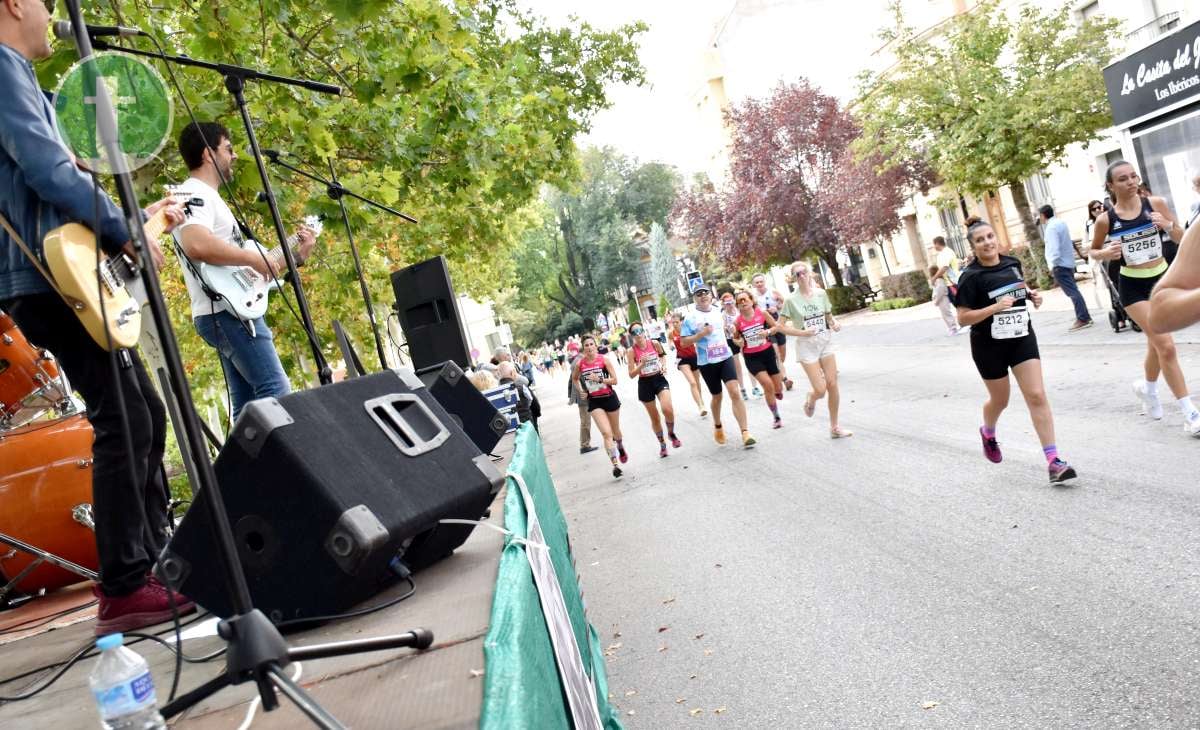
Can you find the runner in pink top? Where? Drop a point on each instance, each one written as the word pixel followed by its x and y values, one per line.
pixel 595 376
pixel 753 332
pixel 646 360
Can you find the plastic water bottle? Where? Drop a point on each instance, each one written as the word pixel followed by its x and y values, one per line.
pixel 123 688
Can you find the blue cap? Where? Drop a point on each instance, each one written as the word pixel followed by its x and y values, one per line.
pixel 111 641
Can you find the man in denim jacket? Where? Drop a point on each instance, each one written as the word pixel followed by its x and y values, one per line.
pixel 42 188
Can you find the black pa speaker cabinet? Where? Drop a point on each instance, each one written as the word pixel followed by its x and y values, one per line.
pixel 469 408
pixel 325 487
pixel 429 316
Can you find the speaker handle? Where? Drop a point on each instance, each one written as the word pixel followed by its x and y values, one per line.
pixel 408 423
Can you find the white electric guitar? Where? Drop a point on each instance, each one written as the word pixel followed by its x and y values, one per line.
pixel 244 290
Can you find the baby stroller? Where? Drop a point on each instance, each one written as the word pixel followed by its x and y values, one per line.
pixel 1116 316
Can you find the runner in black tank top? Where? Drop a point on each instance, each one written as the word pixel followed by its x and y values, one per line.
pixel 1134 230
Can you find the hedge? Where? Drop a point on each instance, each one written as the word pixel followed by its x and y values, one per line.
pixel 844 299
pixel 910 285
pixel 900 303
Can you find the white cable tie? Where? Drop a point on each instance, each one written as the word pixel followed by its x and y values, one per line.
pixel 258 699
pixel 512 536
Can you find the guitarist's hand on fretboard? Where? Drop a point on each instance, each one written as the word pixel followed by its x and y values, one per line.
pixel 306 239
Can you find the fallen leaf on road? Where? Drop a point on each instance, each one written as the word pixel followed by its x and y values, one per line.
pixel 930 705
pixel 695 711
pixel 662 648
pixel 616 634
pixel 631 712
pixel 631 693
pixel 719 565
pixel 719 710
pixel 708 652
pixel 663 628
pixel 614 647
pixel 680 700
pixel 692 677
pixel 669 600
pixel 698 636
pixel 476 672
pixel 594 564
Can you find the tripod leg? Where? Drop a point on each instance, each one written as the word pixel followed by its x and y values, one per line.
pixel 300 698
pixel 186 700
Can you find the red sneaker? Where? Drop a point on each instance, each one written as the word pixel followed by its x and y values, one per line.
pixel 180 599
pixel 144 607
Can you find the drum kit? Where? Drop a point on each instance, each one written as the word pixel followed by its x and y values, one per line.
pixel 47 536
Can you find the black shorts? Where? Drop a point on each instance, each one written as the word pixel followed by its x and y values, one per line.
pixel 763 360
pixel 649 388
pixel 716 375
pixel 732 347
pixel 561 359
pixel 608 403
pixel 689 361
pixel 993 358
pixel 779 339
pixel 1134 290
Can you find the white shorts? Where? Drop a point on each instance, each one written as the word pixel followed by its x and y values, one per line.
pixel 812 349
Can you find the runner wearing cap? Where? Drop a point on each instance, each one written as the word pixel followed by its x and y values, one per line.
pixel 646 364
pixel 685 356
pixel 705 329
pixel 753 330
pixel 595 376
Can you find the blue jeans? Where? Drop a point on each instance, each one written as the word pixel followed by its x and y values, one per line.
pixel 251 365
pixel 1066 279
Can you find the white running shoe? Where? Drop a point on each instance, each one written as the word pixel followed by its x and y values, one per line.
pixel 1150 403
pixel 1191 426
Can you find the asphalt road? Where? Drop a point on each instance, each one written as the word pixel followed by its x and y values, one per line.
pixel 898 579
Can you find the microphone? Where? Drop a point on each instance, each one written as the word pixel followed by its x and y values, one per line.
pixel 64 31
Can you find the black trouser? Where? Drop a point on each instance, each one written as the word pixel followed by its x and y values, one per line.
pixel 128 494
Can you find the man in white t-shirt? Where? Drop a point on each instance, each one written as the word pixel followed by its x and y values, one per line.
pixel 212 235
pixel 705 329
pixel 948 265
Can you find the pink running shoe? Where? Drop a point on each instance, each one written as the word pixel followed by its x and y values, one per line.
pixel 991 449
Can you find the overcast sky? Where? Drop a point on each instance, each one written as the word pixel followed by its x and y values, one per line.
pixel 763 41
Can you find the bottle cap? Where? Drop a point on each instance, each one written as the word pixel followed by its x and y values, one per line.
pixel 111 641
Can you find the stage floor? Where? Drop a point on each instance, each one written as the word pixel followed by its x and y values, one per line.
pixel 441 687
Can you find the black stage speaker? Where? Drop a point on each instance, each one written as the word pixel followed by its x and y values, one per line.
pixel 429 316
pixel 325 487
pixel 469 408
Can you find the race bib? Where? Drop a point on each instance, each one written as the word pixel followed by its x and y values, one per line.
pixel 593 383
pixel 651 365
pixel 816 322
pixel 717 353
pixel 1141 246
pixel 756 337
pixel 1010 324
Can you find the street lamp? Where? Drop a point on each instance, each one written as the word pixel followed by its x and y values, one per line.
pixel 633 297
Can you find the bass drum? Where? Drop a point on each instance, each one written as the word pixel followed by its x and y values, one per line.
pixel 46 499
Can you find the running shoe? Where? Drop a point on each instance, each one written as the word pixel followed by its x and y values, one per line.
pixel 1060 471
pixel 1151 406
pixel 748 441
pixel 587 449
pixel 703 413
pixel 757 392
pixel 991 449
pixel 788 383
pixel 621 452
pixel 616 472
pixel 744 396
pixel 778 422
pixel 662 449
pixel 779 396
pixel 837 432
pixel 809 405
pixel 1080 325
pixel 1191 425
pixel 719 434
pixel 675 441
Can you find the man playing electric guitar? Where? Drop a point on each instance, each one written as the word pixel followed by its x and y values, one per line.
pixel 211 235
pixel 41 188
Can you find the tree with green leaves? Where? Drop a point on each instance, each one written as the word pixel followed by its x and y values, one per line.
pixel 662 265
pixel 991 100
pixel 456 112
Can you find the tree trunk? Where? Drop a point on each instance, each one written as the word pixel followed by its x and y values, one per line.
pixel 1032 235
pixel 830 259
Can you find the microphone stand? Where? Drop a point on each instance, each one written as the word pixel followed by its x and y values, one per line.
pixel 334 189
pixel 256 651
pixel 235 82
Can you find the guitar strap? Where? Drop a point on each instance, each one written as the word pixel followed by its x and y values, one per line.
pixel 71 302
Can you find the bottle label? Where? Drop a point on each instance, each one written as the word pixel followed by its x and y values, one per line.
pixel 127 697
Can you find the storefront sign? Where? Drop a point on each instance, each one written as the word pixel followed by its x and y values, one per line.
pixel 1156 77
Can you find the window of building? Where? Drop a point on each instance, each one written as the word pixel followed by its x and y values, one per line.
pixel 952 226
pixel 1037 191
pixel 1089 10
pixel 1169 159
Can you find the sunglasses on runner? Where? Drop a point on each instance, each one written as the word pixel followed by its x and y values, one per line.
pixel 636 331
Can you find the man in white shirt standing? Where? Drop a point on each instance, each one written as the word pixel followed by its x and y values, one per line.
pixel 211 235
pixel 1060 257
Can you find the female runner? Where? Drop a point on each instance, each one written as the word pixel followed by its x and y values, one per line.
pixel 646 364
pixel 595 375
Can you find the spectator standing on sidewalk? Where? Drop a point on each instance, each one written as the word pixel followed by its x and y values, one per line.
pixel 941 300
pixel 574 397
pixel 948 268
pixel 1060 257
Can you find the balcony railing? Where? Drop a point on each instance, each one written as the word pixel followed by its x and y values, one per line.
pixel 1144 35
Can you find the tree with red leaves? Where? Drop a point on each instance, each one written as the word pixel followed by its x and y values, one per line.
pixel 794 185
